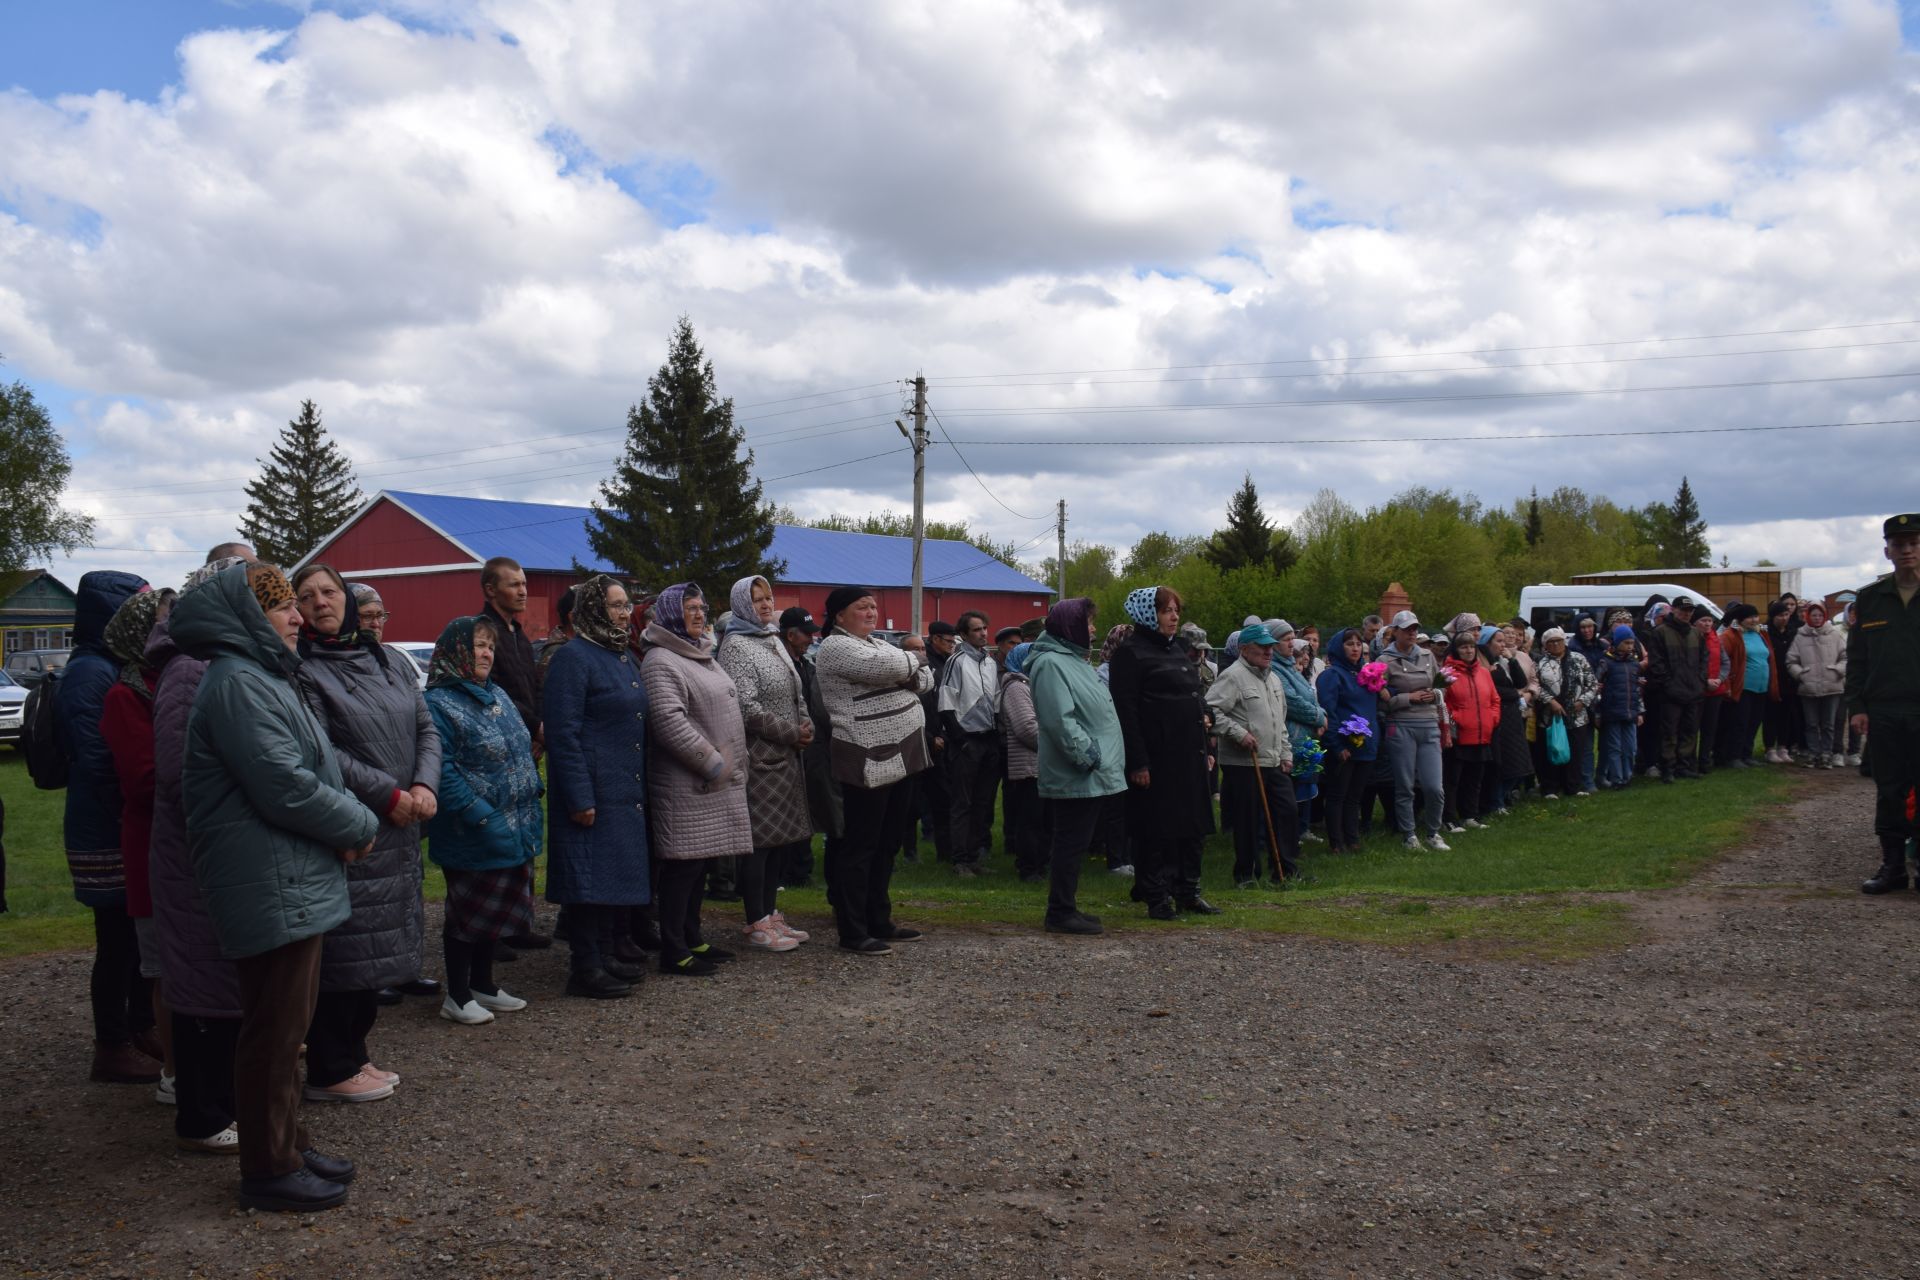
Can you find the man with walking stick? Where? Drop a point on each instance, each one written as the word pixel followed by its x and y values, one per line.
pixel 1250 720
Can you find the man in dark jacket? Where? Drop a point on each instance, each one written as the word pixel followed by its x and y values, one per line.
pixel 504 583
pixel 1883 695
pixel 124 1048
pixel 936 805
pixel 1677 676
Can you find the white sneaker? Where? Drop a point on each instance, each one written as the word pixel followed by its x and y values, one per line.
pixel 224 1143
pixel 470 1014
pixel 499 1001
pixel 780 923
pixel 1454 829
pixel 1413 843
pixel 163 1093
pixel 1475 824
pixel 1853 761
pixel 1435 842
pixel 1316 839
pixel 1123 870
pixel 765 937
pixel 1550 796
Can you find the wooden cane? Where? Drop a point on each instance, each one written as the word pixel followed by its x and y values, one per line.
pixel 1273 839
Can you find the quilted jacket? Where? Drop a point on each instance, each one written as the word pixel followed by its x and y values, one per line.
pixel 697 765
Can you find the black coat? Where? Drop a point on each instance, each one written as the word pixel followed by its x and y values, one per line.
pixel 513 668
pixel 1512 757
pixel 1156 691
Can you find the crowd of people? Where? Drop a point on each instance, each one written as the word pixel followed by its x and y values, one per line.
pixel 255 780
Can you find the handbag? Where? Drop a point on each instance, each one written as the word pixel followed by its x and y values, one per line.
pixel 1559 750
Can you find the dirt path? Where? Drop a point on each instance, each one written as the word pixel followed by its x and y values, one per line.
pixel 1736 1095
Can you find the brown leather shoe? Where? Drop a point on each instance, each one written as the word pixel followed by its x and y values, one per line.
pixel 149 1043
pixel 122 1064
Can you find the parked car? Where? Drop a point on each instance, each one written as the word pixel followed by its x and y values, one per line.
pixel 1547 605
pixel 13 704
pixel 405 653
pixel 28 666
pixel 420 651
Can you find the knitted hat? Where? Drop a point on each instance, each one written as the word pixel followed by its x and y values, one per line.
pixel 840 597
pixel 1551 634
pixel 1622 633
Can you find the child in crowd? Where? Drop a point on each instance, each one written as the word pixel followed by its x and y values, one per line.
pixel 1620 710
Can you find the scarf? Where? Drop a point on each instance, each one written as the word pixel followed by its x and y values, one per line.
pixel 126 637
pixel 269 586
pixel 1017 657
pixel 1070 622
pixel 1140 607
pixel 669 609
pixel 744 621
pixel 452 661
pixel 210 570
pixel 591 621
pixel 1116 636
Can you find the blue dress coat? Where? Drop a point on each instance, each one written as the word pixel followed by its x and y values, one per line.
pixel 488 788
pixel 595 712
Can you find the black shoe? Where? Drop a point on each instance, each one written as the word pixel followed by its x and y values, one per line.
pixel 1135 892
pixel 712 954
pixel 297 1192
pixel 563 927
pixel 898 934
pixel 505 955
pixel 867 947
pixel 722 895
pixel 627 951
pixel 597 984
pixel 420 987
pixel 387 997
pixel 1033 877
pixel 1075 923
pixel 1666 777
pixel 689 967
pixel 1890 876
pixel 333 1168
pixel 1199 907
pixel 1162 911
pixel 623 971
pixel 529 941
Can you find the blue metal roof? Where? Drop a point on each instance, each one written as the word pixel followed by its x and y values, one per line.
pixel 543 536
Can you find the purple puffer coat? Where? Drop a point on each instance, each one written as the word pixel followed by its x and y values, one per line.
pixel 198 980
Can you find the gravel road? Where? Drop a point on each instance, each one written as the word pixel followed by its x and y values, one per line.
pixel 1734 1093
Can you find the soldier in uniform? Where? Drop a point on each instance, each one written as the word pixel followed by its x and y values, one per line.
pixel 1883 695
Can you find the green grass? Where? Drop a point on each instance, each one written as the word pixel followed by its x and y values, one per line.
pixel 1522 887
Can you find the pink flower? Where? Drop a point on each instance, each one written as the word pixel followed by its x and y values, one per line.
pixel 1373 677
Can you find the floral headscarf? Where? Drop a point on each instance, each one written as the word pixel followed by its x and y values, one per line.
pixel 1140 607
pixel 591 621
pixel 453 656
pixel 126 636
pixel 1116 636
pixel 210 570
pixel 669 613
pixel 1070 621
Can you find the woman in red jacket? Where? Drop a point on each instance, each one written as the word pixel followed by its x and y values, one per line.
pixel 1473 705
pixel 1716 698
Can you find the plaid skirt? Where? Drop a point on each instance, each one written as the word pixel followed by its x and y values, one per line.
pixel 484 906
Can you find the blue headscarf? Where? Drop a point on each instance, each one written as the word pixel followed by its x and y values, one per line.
pixel 1017 657
pixel 1140 607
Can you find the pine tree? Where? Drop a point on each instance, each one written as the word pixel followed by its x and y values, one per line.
pixel 683 505
pixel 306 490
pixel 1248 539
pixel 1535 530
pixel 1686 545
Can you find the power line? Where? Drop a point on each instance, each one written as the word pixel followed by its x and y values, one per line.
pixel 1477 351
pixel 838 391
pixel 974 568
pixel 975 474
pixel 1028 442
pixel 1038 411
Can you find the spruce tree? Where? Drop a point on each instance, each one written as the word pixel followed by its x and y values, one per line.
pixel 306 490
pixel 683 506
pixel 1535 530
pixel 1686 531
pixel 1248 539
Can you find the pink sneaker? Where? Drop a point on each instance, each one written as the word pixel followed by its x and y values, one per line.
pixel 358 1087
pixel 780 923
pixel 390 1077
pixel 766 937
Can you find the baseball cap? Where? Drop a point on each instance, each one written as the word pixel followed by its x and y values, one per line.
pixel 798 619
pixel 1405 618
pixel 939 628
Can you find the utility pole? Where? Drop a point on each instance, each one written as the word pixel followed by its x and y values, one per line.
pixel 919 441
pixel 1060 563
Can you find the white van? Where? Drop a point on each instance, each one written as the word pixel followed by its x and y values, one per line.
pixel 1547 605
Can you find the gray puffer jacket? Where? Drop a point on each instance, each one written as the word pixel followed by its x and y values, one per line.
pixel 697 768
pixel 1817 659
pixel 384 737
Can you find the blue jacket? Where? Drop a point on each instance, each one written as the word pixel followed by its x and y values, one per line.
pixel 1342 698
pixel 1619 688
pixel 93 788
pixel 594 707
pixel 489 789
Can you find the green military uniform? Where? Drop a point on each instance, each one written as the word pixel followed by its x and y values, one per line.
pixel 1883 682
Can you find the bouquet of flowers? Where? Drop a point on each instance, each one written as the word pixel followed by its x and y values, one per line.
pixel 1373 677
pixel 1442 678
pixel 1308 759
pixel 1357 729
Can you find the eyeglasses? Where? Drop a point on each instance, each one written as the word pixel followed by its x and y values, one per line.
pixel 381 616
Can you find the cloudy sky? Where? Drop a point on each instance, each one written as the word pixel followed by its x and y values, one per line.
pixel 1136 248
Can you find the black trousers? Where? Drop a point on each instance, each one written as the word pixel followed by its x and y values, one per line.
pixel 337 1036
pixel 1342 787
pixel 1024 826
pixel 1710 709
pixel 203 1081
pixel 973 773
pixel 1465 771
pixel 1679 726
pixel 1164 867
pixel 1893 746
pixel 1252 848
pixel 679 903
pixel 594 930
pixel 1782 723
pixel 1072 822
pixel 122 999
pixel 1647 752
pixel 1739 722
pixel 1110 838
pixel 930 786
pixel 860 869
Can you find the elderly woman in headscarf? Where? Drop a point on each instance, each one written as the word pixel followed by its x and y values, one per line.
pixel 1024 823
pixel 1568 689
pixel 696 771
pixel 1305 718
pixel 1116 636
pixel 487 830
pixel 1077 756
pixel 126 726
pixel 773 706
pixel 871 691
pixel 1164 723
pixel 596 716
pixel 372 712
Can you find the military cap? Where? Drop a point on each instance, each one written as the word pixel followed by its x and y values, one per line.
pixel 1900 524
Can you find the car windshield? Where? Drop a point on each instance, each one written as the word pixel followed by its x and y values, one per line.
pixel 8 682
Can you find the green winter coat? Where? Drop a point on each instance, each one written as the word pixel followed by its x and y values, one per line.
pixel 266 812
pixel 1082 754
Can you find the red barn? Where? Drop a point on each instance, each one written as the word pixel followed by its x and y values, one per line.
pixel 424 552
